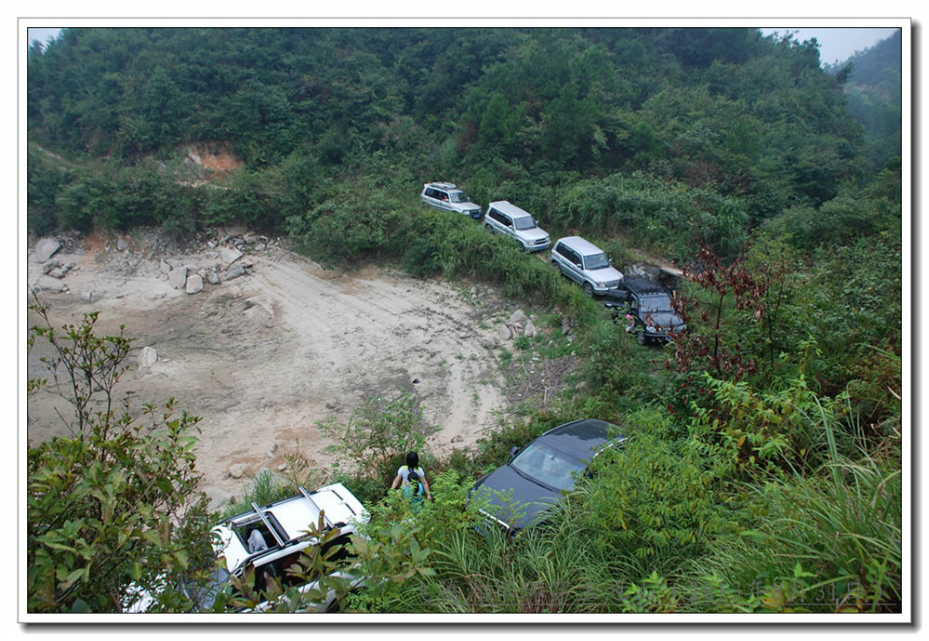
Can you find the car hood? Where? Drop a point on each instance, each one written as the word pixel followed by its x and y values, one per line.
pixel 606 275
pixel 514 499
pixel 536 233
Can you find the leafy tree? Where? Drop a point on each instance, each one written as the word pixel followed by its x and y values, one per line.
pixel 112 508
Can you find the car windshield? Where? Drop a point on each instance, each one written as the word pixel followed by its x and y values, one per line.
pixel 596 261
pixel 655 304
pixel 526 222
pixel 548 465
pixel 458 197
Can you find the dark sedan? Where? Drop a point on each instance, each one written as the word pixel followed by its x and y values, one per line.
pixel 536 477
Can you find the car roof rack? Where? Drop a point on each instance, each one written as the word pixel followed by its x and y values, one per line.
pixel 309 497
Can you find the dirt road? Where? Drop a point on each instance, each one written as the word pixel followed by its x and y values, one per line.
pixel 264 357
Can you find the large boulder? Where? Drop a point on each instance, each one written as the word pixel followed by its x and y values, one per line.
pixel 194 284
pixel 230 255
pixel 45 248
pixel 48 284
pixel 518 318
pixel 178 277
pixel 529 329
pixel 147 357
pixel 235 271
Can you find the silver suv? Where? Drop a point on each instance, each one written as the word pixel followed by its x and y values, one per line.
pixel 585 264
pixel 505 218
pixel 448 197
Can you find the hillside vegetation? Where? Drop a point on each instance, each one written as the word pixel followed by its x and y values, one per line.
pixel 762 471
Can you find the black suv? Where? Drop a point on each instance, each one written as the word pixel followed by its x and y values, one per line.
pixel 646 308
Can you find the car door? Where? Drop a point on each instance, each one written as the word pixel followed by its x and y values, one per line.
pixel 494 224
pixel 508 228
pixel 444 201
pixel 575 266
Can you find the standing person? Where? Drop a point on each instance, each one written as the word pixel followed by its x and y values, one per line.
pixel 413 491
pixel 412 465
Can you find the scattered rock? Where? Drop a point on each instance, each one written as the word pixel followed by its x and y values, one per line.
pixel 50 265
pixel 503 333
pixel 237 470
pixel 530 330
pixel 46 248
pixel 230 255
pixel 213 277
pixel 165 267
pixel 178 277
pixel 57 272
pixel 518 317
pixel 47 284
pixel 194 284
pixel 458 439
pixel 121 245
pixel 272 450
pixel 235 271
pixel 147 357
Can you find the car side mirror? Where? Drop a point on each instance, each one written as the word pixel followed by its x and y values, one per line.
pixel 513 451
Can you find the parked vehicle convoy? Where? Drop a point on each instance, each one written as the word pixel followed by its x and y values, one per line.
pixel 506 218
pixel 586 264
pixel 651 317
pixel 448 197
pixel 519 493
pixel 267 540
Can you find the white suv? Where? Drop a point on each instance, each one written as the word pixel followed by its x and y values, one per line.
pixel 448 197
pixel 267 540
pixel 585 264
pixel 505 218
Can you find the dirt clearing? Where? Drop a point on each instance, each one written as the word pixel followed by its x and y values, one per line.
pixel 265 356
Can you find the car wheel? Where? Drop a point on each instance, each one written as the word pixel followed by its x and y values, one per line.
pixel 488 227
pixel 588 289
pixel 640 338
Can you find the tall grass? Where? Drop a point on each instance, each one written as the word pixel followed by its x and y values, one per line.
pixel 826 542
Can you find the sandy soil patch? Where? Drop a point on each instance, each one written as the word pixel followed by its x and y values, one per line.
pixel 264 357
